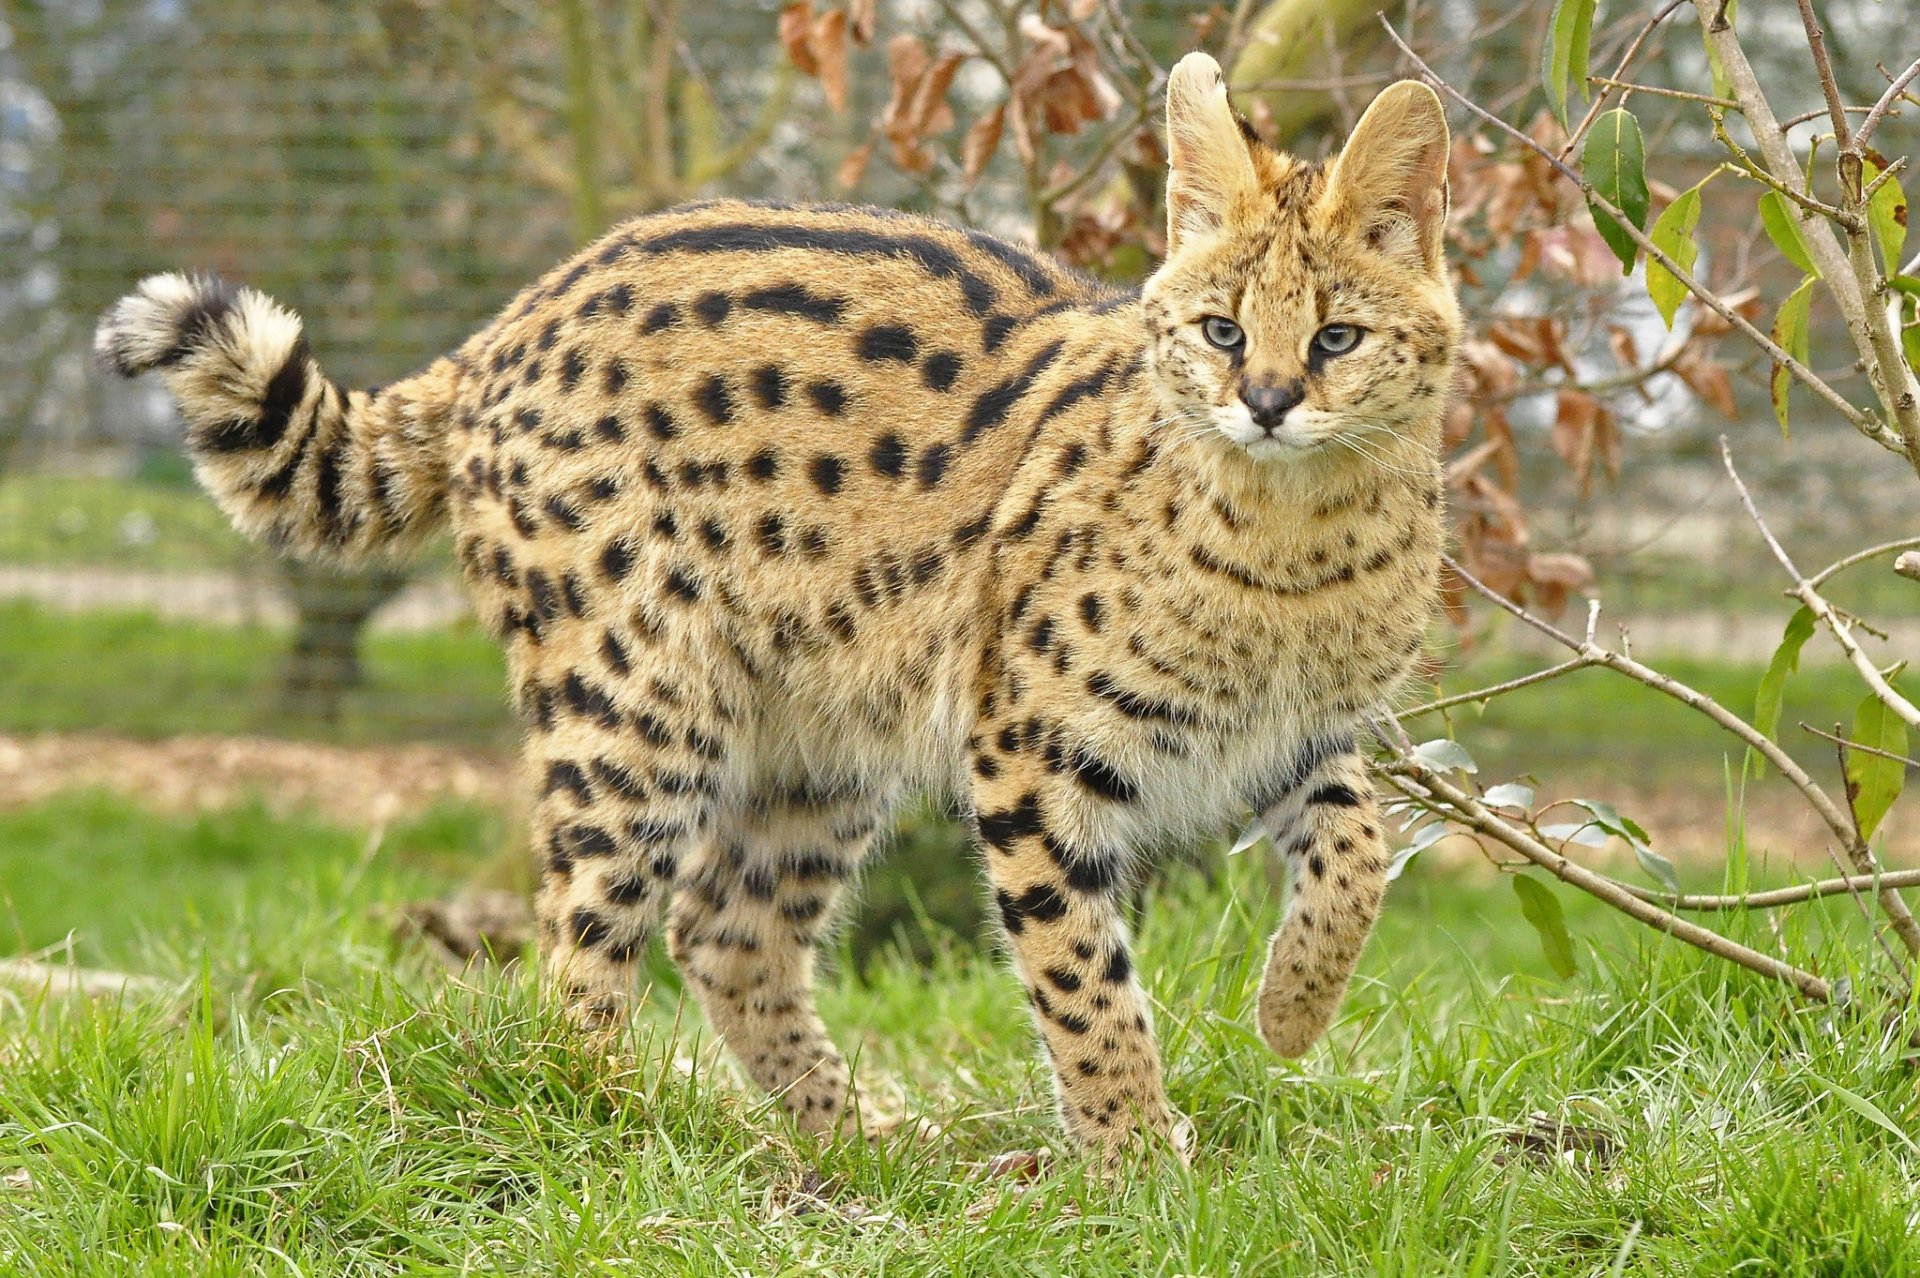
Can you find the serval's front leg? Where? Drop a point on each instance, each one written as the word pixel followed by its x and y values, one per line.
pixel 1328 827
pixel 1060 905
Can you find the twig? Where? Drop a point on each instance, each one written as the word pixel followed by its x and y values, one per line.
pixel 1778 896
pixel 1868 425
pixel 1816 604
pixel 1488 693
pixel 1658 92
pixel 1864 861
pixel 1817 43
pixel 1847 743
pixel 1885 104
pixel 1861 556
pixel 1469 811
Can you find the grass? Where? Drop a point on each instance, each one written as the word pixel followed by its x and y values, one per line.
pixel 319 1099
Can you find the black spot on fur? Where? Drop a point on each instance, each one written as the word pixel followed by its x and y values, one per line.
pixel 827 472
pixel 888 455
pixel 996 402
pixel 617 559
pixel 770 385
pixel 661 422
pixel 796 299
pixel 828 396
pixel 714 401
pixel 940 371
pixel 1101 778
pixel 665 315
pixel 936 258
pixel 933 464
pixel 889 341
pixel 1000 829
pixel 712 308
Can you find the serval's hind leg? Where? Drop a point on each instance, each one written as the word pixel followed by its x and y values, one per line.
pixel 618 811
pixel 744 926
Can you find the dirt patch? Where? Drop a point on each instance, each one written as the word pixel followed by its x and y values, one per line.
pixel 350 786
pixel 359 787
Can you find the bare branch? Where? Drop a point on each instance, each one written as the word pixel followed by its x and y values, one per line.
pixel 1498 689
pixel 1817 44
pixel 1847 744
pixel 1861 556
pixel 1410 776
pixel 1853 885
pixel 1841 628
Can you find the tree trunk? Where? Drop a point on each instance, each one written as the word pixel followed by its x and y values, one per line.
pixel 333 609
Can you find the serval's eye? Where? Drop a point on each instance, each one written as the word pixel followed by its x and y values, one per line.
pixel 1223 332
pixel 1337 339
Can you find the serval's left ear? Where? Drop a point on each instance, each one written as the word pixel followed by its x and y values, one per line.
pixel 1389 184
pixel 1208 163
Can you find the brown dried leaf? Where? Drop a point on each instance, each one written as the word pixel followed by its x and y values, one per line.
pixel 861 18
pixel 1707 379
pixel 854 167
pixel 827 39
pixel 796 24
pixel 1574 419
pixel 982 140
pixel 1554 576
pixel 1625 353
pixel 929 113
pixel 1606 441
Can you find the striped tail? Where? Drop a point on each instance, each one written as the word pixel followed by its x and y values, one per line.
pixel 292 458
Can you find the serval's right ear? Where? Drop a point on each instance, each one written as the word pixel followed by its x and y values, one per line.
pixel 1208 161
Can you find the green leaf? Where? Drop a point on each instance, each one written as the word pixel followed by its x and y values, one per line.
pixel 1887 215
pixel 1615 162
pixel 1790 334
pixel 1443 755
pixel 1608 818
pixel 1510 794
pixel 1773 684
pixel 1673 235
pixel 1424 838
pixel 1563 55
pixel 1910 343
pixel 1657 866
pixel 1783 228
pixel 1866 1109
pixel 1540 907
pixel 1874 782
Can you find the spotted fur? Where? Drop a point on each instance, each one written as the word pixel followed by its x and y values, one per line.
pixel 784 512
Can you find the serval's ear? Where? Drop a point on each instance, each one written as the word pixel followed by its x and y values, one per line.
pixel 1389 184
pixel 1208 163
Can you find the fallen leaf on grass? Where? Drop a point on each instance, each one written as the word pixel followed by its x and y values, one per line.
pixel 471 925
pixel 1553 1139
pixel 814 1196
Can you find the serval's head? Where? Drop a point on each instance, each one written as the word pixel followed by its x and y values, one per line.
pixel 1304 309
